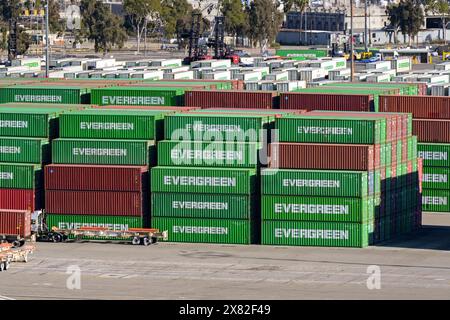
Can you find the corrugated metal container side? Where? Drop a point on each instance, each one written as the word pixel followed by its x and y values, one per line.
pixel 207 154
pixel 111 152
pixel 38 123
pixel 160 108
pixel 436 200
pixel 321 234
pixel 117 223
pixel 42 94
pixel 24 150
pixel 317 208
pixel 96 178
pixel 327 129
pixel 428 130
pixel 323 156
pixel 207 206
pixel 216 127
pixel 203 180
pixel 21 176
pixel 436 178
pixel 324 101
pixel 274 112
pixel 232 99
pixel 21 199
pixel 427 107
pixel 102 203
pixel 15 222
pixel 112 124
pixel 228 231
pixel 315 183
pixel 434 154
pixel 145 96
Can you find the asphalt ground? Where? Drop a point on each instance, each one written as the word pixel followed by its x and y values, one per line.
pixel 412 267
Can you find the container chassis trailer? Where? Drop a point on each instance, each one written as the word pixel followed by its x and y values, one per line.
pixel 9 254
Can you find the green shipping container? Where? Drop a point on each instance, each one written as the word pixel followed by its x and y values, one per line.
pixel 116 223
pixel 327 129
pixel 208 230
pixel 44 94
pixel 203 180
pixel 436 178
pixel 208 154
pixel 434 154
pixel 112 124
pixel 412 148
pixel 317 208
pixel 301 54
pixel 321 234
pixel 208 206
pixel 436 200
pixel 20 176
pixel 137 96
pixel 24 150
pixel 110 152
pixel 325 183
pixel 216 127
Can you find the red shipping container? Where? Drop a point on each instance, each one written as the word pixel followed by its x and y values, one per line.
pixel 231 99
pixel 21 199
pixel 430 130
pixel 15 222
pixel 101 203
pixel 426 107
pixel 323 156
pixel 177 109
pixel 326 101
pixel 96 178
pixel 292 111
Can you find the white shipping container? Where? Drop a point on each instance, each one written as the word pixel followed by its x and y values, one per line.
pixel 402 64
pixel 442 66
pixel 287 86
pixel 311 74
pixel 249 76
pixel 184 75
pixel 268 86
pixel 174 69
pixel 217 75
pixel 434 79
pixel 379 65
pixel 438 90
pixel 167 63
pixel 252 85
pixel 277 76
pixel 27 62
pixel 148 75
pixel 378 77
pixel 101 63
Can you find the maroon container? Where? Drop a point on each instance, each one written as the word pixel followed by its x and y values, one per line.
pixel 21 199
pixel 178 109
pixel 96 178
pixel 292 111
pixel 15 222
pixel 323 156
pixel 326 101
pixel 426 107
pixel 429 130
pixel 102 203
pixel 231 99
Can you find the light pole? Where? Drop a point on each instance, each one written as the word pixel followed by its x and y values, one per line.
pixel 47 44
pixel 365 26
pixel 352 66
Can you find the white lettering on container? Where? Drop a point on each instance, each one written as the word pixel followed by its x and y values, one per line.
pixel 13 124
pixel 34 98
pixel 429 177
pixel 200 230
pixel 106 126
pixel 9 149
pixel 206 154
pixel 440 201
pixel 311 234
pixel 311 208
pixel 311 183
pixel 433 155
pixel 6 176
pixel 133 100
pixel 99 152
pixel 325 130
pixel 200 205
pixel 200 181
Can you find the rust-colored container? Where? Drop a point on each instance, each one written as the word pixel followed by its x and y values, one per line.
pixel 326 101
pixel 15 222
pixel 21 199
pixel 232 99
pixel 429 130
pixel 96 178
pixel 102 203
pixel 324 156
pixel 162 108
pixel 426 107
pixel 404 149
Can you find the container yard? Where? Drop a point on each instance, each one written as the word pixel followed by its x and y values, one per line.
pixel 269 176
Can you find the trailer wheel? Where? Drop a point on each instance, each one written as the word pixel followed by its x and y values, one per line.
pixel 146 241
pixel 56 237
pixel 136 241
pixel 7 265
pixel 2 266
pixel 16 244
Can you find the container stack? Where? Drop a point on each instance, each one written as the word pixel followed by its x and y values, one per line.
pixel 99 176
pixel 341 179
pixel 431 124
pixel 205 187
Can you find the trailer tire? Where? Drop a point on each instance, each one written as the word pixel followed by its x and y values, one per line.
pixel 16 244
pixel 146 241
pixel 136 241
pixel 2 266
pixel 56 238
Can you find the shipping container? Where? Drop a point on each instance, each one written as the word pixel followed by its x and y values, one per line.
pixel 432 130
pixel 209 154
pixel 96 178
pixel 138 96
pixel 322 234
pixel 436 178
pixel 206 206
pixel 24 150
pixel 111 152
pixel 161 108
pixel 203 180
pixel 434 154
pixel 325 101
pixel 53 94
pixel 101 203
pixel 113 124
pixel 20 176
pixel 55 108
pixel 426 107
pixel 21 199
pixel 15 222
pixel 309 208
pixel 232 99
pixel 434 200
pixel 316 183
pixel 229 231
pixel 323 156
